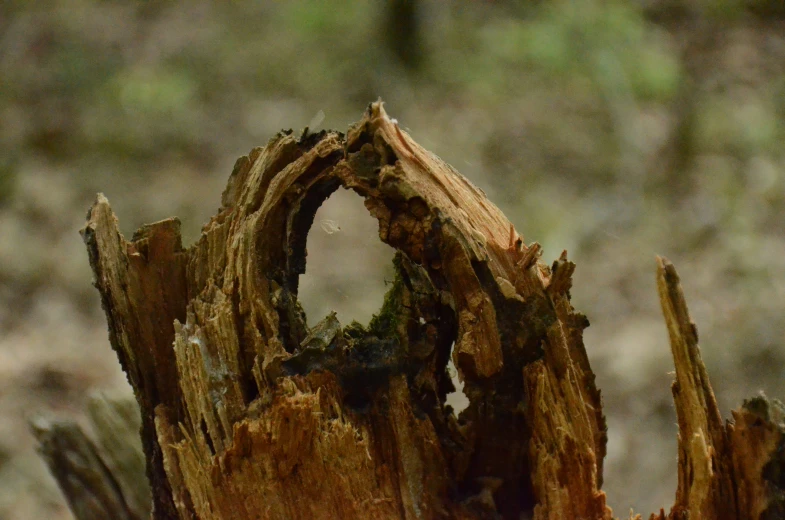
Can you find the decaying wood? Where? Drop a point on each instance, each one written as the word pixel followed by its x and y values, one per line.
pixel 726 471
pixel 101 476
pixel 249 413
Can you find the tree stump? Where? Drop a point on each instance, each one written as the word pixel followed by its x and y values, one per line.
pixel 102 478
pixel 249 413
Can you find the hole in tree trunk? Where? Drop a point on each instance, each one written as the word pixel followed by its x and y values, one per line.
pixel 457 399
pixel 348 266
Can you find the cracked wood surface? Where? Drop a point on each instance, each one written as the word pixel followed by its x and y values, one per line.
pixel 243 417
pixel 726 470
pixel 249 413
pixel 101 473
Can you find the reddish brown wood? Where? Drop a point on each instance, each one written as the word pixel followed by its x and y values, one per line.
pixel 249 413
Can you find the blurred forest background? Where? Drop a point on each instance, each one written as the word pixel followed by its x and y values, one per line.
pixel 617 130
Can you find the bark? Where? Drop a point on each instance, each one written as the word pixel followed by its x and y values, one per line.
pixel 102 476
pixel 728 470
pixel 248 413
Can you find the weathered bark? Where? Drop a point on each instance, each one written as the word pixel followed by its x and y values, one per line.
pixel 248 413
pixel 726 471
pixel 101 478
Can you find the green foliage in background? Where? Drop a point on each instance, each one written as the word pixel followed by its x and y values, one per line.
pixel 616 130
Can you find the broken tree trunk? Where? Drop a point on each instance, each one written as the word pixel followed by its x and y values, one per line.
pixel 248 413
pixel 726 471
pixel 101 478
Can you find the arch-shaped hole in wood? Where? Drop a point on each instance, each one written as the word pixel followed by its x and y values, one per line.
pixel 411 332
pixel 348 269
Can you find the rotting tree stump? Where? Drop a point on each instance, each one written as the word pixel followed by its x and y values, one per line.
pixel 249 413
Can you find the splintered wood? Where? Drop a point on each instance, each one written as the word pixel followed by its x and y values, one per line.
pixel 249 413
pixel 726 471
pixel 101 472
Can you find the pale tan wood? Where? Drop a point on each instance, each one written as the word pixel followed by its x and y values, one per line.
pixel 726 470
